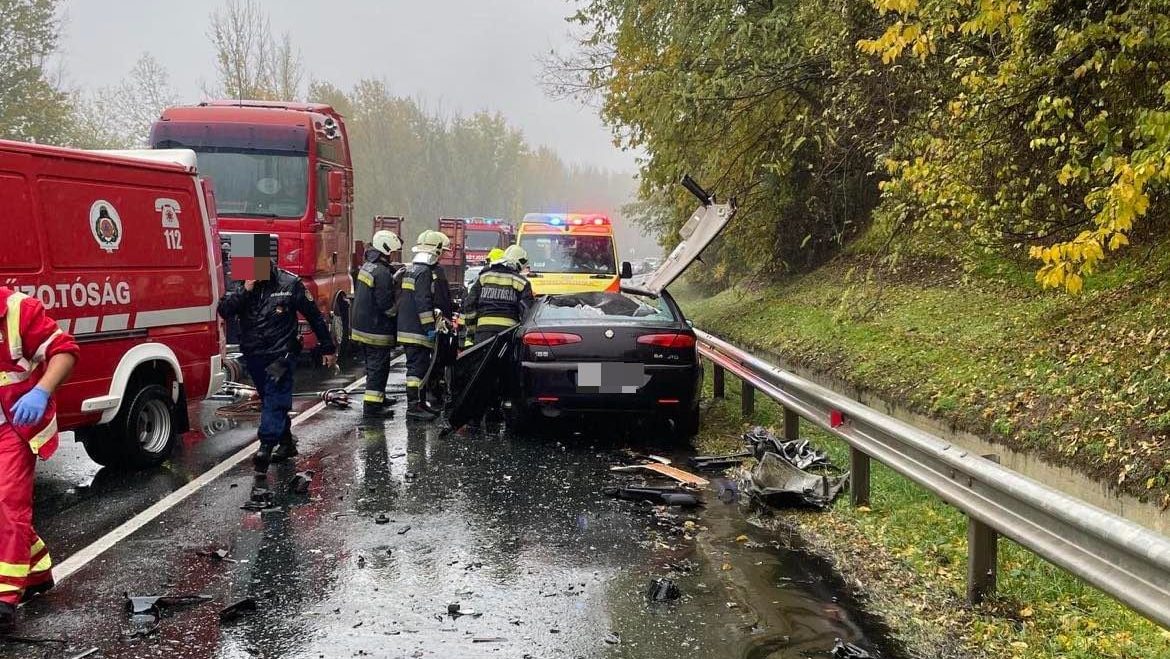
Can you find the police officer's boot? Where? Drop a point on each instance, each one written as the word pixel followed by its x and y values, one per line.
pixel 416 408
pixel 287 448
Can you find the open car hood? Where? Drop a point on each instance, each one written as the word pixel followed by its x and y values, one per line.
pixel 698 232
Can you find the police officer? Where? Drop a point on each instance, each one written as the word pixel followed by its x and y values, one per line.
pixel 424 306
pixel 270 340
pixel 374 324
pixel 499 297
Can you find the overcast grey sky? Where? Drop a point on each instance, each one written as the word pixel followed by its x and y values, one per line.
pixel 455 55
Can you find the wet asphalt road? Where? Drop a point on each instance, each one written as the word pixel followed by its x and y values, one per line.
pixel 515 530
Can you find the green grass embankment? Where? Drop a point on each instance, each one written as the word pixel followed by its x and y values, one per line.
pixel 1082 381
pixel 907 554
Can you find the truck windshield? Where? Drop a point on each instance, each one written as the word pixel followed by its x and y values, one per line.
pixel 258 184
pixel 569 253
pixel 481 240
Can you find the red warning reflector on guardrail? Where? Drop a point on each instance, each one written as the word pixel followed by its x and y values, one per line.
pixel 836 418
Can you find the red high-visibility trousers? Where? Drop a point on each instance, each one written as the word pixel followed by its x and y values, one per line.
pixel 24 559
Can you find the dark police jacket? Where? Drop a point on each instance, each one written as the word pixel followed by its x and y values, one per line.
pixel 374 312
pixel 498 299
pixel 268 316
pixel 424 289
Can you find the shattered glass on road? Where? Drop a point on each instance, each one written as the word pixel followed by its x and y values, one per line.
pixel 406 543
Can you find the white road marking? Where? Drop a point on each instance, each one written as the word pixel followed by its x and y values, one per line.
pixel 79 560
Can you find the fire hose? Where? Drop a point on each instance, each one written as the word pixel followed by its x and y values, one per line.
pixel 246 400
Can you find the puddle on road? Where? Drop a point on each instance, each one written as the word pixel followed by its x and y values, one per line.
pixel 514 531
pixel 517 532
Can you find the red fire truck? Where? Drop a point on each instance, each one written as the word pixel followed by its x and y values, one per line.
pixel 122 249
pixel 284 169
pixel 482 235
pixel 393 224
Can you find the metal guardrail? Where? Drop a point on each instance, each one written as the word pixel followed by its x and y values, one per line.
pixel 1124 559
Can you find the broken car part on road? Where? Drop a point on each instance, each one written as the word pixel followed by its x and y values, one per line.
pixel 780 477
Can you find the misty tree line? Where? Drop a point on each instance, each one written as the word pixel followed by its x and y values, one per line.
pixel 408 160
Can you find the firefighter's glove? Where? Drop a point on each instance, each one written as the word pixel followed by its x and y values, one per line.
pixel 30 408
pixel 431 335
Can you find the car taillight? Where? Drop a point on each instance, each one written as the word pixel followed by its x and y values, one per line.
pixel 550 338
pixel 668 340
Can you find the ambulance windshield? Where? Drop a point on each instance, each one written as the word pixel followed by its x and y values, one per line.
pixel 570 253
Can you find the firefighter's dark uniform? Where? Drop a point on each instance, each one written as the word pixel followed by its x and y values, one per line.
pixel 424 289
pixel 374 324
pixel 270 341
pixel 496 301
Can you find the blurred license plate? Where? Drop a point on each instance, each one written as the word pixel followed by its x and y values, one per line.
pixel 610 378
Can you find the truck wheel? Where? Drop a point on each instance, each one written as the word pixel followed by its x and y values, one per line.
pixel 141 435
pixel 339 324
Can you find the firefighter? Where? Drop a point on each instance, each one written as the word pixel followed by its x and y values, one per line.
pixel 270 340
pixel 35 358
pixel 424 308
pixel 493 256
pixel 374 323
pixel 499 297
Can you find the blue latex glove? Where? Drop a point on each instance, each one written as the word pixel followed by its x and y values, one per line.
pixel 30 408
pixel 431 335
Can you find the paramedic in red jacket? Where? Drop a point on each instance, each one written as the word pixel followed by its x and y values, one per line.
pixel 35 357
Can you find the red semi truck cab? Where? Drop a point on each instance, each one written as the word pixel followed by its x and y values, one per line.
pixel 279 168
pixel 482 235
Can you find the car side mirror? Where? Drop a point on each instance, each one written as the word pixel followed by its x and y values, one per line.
pixel 690 323
pixel 627 270
pixel 336 185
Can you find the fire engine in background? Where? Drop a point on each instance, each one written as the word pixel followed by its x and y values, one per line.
pixel 571 253
pixel 393 224
pixel 482 235
pixel 280 168
pixel 454 260
pixel 122 250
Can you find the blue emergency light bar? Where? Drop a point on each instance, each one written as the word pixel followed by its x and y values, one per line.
pixel 566 219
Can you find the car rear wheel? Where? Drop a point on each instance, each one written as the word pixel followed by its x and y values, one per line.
pixel 141 435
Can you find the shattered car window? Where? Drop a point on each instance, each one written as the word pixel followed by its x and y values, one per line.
pixel 611 306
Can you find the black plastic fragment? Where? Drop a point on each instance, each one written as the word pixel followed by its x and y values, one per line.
pixel 669 496
pixel 662 590
pixel 299 484
pixel 236 609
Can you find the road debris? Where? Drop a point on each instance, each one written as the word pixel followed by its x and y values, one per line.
pixel 843 650
pixel 261 499
pixel 145 604
pixel 663 589
pixel 237 609
pixel 719 462
pixel 780 478
pixel 669 496
pixel 489 639
pixel 666 470
pixel 216 555
pixel 299 483
pixel 381 519
pixel 87 653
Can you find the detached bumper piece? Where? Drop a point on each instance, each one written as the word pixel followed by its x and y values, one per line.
pixel 791 474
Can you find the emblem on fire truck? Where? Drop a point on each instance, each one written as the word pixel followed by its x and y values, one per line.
pixel 169 211
pixel 105 225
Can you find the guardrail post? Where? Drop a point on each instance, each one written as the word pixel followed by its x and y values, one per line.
pixel 747 399
pixel 982 557
pixel 717 380
pixel 791 424
pixel 858 477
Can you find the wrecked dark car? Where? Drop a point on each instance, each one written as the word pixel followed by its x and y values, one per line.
pixel 629 352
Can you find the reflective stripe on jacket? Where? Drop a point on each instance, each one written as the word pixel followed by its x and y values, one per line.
pixel 373 302
pixel 424 289
pixel 30 340
pixel 498 298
